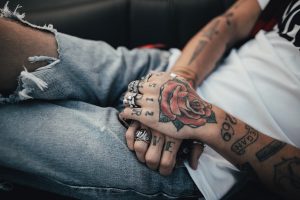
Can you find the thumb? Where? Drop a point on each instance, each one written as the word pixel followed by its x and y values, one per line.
pixel 197 150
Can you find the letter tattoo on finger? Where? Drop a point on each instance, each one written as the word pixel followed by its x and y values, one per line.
pixel 169 146
pixel 149 99
pixel 136 111
pixel 149 113
pixel 155 140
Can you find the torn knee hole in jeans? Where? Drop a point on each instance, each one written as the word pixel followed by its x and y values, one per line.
pixel 27 81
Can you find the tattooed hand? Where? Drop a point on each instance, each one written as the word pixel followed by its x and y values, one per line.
pixel 159 154
pixel 169 105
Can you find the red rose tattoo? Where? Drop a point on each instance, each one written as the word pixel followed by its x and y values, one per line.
pixel 180 105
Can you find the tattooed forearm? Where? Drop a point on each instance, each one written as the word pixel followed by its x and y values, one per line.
pixel 269 150
pixel 202 43
pixel 213 30
pixel 169 146
pixel 227 129
pixel 180 104
pixel 287 174
pixel 228 17
pixel 240 145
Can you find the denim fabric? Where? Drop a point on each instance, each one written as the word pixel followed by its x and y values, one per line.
pixel 66 137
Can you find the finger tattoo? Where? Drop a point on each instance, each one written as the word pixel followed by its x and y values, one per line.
pixel 169 146
pixel 155 140
pixel 136 111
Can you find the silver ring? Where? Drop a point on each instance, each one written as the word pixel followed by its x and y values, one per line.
pixel 173 75
pixel 131 100
pixel 133 86
pixel 125 102
pixel 199 143
pixel 142 135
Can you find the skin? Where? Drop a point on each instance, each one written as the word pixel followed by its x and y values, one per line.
pixel 210 42
pixel 275 163
pixel 20 42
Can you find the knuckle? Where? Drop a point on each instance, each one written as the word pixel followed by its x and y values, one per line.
pixel 152 162
pixel 139 148
pixel 166 164
pixel 129 135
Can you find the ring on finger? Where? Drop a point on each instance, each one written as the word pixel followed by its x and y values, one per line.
pixel 199 143
pixel 131 100
pixel 143 135
pixel 133 86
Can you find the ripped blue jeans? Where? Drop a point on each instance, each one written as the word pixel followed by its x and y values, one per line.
pixel 66 137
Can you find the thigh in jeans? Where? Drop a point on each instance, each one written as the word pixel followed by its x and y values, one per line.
pixel 78 149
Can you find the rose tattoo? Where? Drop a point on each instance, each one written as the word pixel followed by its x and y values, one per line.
pixel 180 105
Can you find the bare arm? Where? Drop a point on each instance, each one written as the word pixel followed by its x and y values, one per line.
pixel 202 52
pixel 274 162
pixel 179 112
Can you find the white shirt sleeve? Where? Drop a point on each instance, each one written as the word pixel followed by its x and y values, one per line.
pixel 263 3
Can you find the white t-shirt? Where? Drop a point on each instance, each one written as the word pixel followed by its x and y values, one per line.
pixel 259 84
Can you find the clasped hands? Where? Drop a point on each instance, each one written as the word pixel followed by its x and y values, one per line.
pixel 164 110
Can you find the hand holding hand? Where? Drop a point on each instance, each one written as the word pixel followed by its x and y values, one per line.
pixel 168 104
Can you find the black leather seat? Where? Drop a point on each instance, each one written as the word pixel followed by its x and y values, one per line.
pixel 128 23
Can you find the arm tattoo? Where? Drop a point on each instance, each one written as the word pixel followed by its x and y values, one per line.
pixel 213 30
pixel 286 174
pixel 155 140
pixel 241 144
pixel 269 150
pixel 180 104
pixel 199 48
pixel 227 130
pixel 228 17
pixel 202 43
pixel 169 146
pixel 136 111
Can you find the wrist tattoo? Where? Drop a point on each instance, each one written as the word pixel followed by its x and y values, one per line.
pixel 227 129
pixel 180 104
pixel 240 145
pixel 269 150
